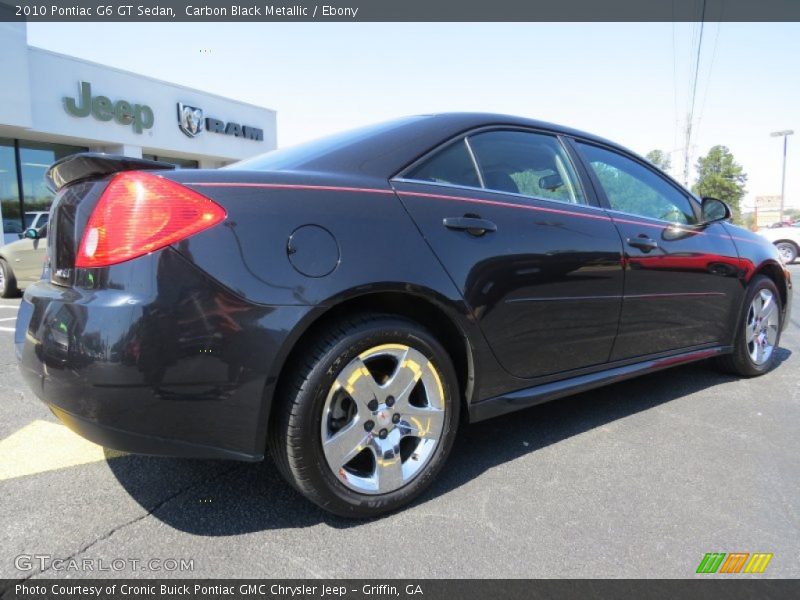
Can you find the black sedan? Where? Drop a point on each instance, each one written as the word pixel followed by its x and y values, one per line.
pixel 346 303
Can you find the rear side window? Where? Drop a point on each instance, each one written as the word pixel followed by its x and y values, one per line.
pixel 452 165
pixel 517 162
pixel 531 164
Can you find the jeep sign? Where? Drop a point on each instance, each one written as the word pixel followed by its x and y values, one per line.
pixel 139 116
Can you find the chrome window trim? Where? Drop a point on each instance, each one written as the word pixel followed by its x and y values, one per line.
pixel 490 191
pixel 690 226
pixel 610 212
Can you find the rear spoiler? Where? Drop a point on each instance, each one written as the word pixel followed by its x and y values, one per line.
pixel 85 165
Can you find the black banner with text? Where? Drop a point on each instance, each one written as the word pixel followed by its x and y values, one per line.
pixel 423 589
pixel 405 11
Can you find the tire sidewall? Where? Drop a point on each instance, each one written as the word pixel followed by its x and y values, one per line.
pixel 5 286
pixel 339 498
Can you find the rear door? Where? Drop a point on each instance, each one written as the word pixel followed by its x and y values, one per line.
pixel 681 281
pixel 537 263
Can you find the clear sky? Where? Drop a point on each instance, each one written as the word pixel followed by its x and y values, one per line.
pixel 626 82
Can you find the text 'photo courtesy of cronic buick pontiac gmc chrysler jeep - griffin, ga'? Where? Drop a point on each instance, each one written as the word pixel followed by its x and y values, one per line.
pixel 343 305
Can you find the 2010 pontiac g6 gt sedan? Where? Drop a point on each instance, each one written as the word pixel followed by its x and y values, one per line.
pixel 344 304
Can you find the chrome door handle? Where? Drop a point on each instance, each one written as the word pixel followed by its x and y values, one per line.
pixel 472 225
pixel 643 243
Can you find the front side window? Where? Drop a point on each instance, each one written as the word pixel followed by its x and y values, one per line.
pixel 531 164
pixel 635 189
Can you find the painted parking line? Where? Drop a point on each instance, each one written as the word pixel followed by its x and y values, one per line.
pixel 42 446
pixel 8 320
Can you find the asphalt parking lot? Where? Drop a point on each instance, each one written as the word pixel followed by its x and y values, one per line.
pixel 639 479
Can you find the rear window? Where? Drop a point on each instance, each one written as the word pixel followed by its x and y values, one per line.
pixel 295 157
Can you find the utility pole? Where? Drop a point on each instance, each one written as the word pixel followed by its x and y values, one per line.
pixel 785 135
pixel 686 150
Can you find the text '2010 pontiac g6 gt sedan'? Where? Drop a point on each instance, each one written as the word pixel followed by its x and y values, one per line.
pixel 347 302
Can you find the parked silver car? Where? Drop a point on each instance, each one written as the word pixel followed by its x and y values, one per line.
pixel 21 261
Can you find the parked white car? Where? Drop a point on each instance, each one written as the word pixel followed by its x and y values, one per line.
pixel 786 239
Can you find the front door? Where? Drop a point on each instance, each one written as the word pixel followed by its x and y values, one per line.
pixel 29 257
pixel 538 265
pixel 681 278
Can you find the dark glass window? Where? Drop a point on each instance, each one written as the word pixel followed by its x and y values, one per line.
pixel 633 188
pixel 451 165
pixel 531 164
pixel 9 193
pixel 30 210
pixel 34 160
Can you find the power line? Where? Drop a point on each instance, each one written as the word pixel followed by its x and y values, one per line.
pixel 708 75
pixel 693 95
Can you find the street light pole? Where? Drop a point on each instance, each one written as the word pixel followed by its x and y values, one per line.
pixel 785 135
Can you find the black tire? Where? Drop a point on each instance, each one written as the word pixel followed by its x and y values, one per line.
pixel 788 251
pixel 8 283
pixel 295 438
pixel 739 362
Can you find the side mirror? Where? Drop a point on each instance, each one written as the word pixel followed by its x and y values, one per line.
pixel 714 210
pixel 31 234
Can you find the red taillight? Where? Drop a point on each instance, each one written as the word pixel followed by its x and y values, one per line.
pixel 139 213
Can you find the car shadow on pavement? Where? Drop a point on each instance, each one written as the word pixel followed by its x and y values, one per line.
pixel 223 498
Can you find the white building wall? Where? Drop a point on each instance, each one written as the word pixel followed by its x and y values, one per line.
pixel 54 76
pixel 15 97
pixel 36 81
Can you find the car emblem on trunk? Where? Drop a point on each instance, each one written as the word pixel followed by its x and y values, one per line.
pixel 190 119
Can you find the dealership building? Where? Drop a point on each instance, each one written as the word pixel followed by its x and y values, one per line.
pixel 53 105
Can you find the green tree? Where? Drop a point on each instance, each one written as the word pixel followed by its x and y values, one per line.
pixel 720 176
pixel 660 159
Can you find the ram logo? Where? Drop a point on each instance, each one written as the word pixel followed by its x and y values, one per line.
pixel 190 119
pixel 192 123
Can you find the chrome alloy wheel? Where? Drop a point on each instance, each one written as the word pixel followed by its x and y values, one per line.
pixel 383 419
pixel 787 253
pixel 761 329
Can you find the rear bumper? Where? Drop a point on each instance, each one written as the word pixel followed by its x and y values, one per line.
pixel 182 368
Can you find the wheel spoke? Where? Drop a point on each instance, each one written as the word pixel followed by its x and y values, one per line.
pixel 358 382
pixel 750 331
pixel 425 423
pixel 772 334
pixel 388 464
pixel 345 444
pixel 758 302
pixel 405 377
pixel 768 310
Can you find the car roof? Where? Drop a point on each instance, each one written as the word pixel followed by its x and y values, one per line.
pixel 383 149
